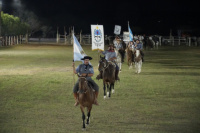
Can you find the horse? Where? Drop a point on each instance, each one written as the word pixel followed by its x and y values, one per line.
pixel 86 98
pixel 108 75
pixel 150 43
pixel 138 61
pixel 129 53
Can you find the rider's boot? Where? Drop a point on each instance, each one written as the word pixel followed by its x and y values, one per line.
pixel 100 75
pixel 116 75
pixel 96 95
pixel 76 99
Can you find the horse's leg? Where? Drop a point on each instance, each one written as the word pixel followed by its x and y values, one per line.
pixel 140 66
pixel 108 90
pixel 120 66
pixel 88 115
pixel 113 90
pixel 136 67
pixel 83 116
pixel 104 89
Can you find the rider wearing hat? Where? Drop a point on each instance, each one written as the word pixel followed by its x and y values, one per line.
pixel 110 55
pixel 118 46
pixel 138 45
pixel 86 70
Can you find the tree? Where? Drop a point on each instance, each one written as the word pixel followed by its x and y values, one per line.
pixel 12 25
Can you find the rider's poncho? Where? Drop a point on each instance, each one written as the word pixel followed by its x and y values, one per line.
pixel 109 54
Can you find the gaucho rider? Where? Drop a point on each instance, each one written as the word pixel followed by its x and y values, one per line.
pixel 110 55
pixel 118 46
pixel 138 45
pixel 85 69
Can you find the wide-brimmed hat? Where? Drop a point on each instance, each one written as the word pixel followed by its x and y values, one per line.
pixel 86 57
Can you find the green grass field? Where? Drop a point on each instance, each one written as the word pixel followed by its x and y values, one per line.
pixel 36 84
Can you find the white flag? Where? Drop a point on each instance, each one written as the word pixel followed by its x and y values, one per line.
pixel 78 51
pixel 117 30
pixel 97 37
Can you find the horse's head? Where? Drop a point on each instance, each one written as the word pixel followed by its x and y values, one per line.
pixel 83 84
pixel 102 63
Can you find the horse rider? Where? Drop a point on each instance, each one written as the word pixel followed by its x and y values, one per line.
pixel 110 55
pixel 131 45
pixel 119 47
pixel 138 46
pixel 86 70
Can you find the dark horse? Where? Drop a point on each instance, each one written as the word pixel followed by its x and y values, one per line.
pixel 86 98
pixel 130 59
pixel 108 75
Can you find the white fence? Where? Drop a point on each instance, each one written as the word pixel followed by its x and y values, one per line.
pixel 87 40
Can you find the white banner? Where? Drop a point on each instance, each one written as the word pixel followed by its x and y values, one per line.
pixel 126 37
pixel 97 37
pixel 117 30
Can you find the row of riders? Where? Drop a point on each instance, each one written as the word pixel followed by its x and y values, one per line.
pixel 86 90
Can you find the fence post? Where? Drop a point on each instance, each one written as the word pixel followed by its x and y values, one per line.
pixel 189 41
pixel 9 43
pixel 179 41
pixel 17 39
pixel 172 40
pixel 80 37
pixel 160 40
pixel 26 38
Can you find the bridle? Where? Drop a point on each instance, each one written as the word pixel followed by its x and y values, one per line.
pixel 85 85
pixel 105 65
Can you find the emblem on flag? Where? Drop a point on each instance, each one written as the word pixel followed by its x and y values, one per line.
pixel 97 34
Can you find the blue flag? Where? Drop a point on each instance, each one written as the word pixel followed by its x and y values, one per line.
pixel 130 33
pixel 78 51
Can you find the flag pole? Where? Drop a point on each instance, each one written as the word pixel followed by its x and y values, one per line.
pixel 73 57
pixel 128 25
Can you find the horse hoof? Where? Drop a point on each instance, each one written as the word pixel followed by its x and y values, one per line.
pixel 83 129
pixel 104 97
pixel 113 91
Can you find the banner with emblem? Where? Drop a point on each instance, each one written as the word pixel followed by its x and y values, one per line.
pixel 117 30
pixel 97 37
pixel 126 37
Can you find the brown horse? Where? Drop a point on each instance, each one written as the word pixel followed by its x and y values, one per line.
pixel 129 52
pixel 86 98
pixel 108 75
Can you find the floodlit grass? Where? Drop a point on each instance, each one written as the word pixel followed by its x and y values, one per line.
pixel 36 92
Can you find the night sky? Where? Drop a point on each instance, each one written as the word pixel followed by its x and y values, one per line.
pixel 144 16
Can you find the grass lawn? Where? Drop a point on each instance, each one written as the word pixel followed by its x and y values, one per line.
pixel 36 84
